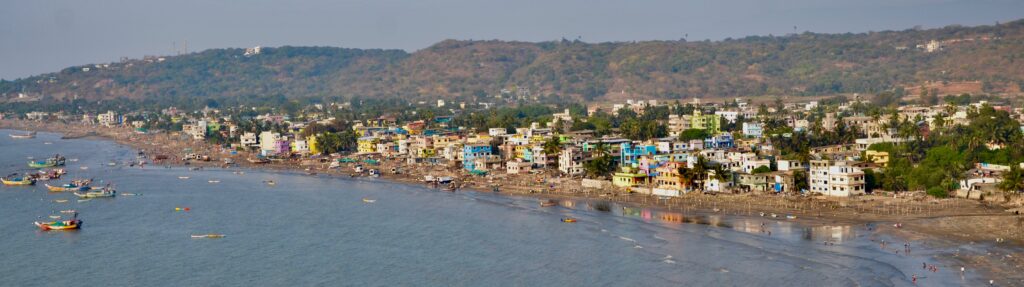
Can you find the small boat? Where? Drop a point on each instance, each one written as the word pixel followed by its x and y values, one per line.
pixel 56 160
pixel 182 209
pixel 367 200
pixel 790 216
pixel 30 135
pixel 569 220
pixel 60 200
pixel 374 172
pixel 67 187
pixel 102 192
pixel 18 181
pixel 60 225
pixel 198 236
pixel 548 203
pixel 270 182
pixel 84 167
pixel 182 177
pixel 75 185
pixel 358 169
pixel 67 211
pixel 47 143
pixel 213 181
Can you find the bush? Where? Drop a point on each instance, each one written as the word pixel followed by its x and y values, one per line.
pixel 937 191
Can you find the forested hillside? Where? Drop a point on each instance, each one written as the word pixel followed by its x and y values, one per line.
pixel 803 64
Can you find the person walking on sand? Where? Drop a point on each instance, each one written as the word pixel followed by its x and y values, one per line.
pixel 913 279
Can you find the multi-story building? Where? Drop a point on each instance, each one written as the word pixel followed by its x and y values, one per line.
pixel 571 160
pixel 836 178
pixel 471 152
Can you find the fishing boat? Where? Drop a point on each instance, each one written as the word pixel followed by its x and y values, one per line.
pixel 74 223
pixel 213 181
pixel 211 235
pixel 790 216
pixel 569 220
pixel 374 172
pixel 358 168
pixel 367 200
pixel 182 177
pixel 29 135
pixel 271 182
pixel 54 161
pixel 548 203
pixel 74 186
pixel 102 192
pixel 18 181
pixel 258 160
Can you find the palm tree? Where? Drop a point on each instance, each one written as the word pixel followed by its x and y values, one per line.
pixel 1013 180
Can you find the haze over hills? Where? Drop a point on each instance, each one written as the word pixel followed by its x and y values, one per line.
pixel 804 64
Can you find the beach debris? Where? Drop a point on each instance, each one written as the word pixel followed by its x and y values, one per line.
pixel 68 211
pixel 60 200
pixel 213 181
pixel 367 200
pixel 182 209
pixel 211 235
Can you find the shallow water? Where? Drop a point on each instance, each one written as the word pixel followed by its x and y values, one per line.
pixel 316 230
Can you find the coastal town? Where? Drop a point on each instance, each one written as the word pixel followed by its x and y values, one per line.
pixel 839 151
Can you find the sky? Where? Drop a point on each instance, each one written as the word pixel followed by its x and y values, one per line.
pixel 40 36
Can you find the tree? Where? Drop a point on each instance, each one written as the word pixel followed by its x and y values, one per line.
pixel 693 134
pixel 1013 180
pixel 552 146
pixel 761 169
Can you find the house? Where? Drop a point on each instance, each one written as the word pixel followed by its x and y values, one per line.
pixel 757 182
pixel 300 146
pixel 668 176
pixel 627 177
pixel 109 119
pixel 752 130
pixel 518 166
pixel 268 143
pixel 571 160
pixel 367 144
pixel 471 152
pixel 881 158
pixel 248 139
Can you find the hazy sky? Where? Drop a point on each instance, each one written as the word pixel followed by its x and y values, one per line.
pixel 38 36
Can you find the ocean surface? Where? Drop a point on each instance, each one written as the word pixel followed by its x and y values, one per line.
pixel 317 231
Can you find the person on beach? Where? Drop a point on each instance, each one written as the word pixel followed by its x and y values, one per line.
pixel 914 279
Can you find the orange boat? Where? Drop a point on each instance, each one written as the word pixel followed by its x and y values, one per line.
pixel 569 220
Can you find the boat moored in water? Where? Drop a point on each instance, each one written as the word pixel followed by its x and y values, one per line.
pixel 102 192
pixel 30 135
pixel 74 223
pixel 56 160
pixel 18 181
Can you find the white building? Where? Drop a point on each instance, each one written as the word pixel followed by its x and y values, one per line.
pixel 570 161
pixel 268 141
pixel 249 139
pixel 110 118
pixel 836 178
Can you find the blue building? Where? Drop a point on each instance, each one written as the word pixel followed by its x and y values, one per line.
pixel 471 152
pixel 721 141
pixel 630 155
pixel 752 130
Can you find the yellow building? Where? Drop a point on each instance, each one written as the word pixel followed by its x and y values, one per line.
pixel 880 158
pixel 314 145
pixel 628 178
pixel 367 144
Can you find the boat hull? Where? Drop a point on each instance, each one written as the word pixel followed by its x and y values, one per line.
pixel 65 225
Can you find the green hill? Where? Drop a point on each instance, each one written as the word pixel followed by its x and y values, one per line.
pixel 804 64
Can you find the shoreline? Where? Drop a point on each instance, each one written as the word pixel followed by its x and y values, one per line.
pixel 951 223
